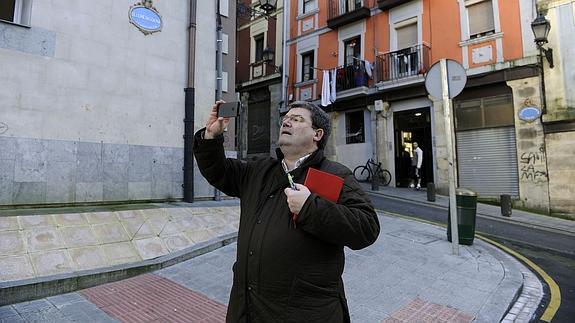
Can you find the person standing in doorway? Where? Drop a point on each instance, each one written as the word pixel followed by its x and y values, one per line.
pixel 416 162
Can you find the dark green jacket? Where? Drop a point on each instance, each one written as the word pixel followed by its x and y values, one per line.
pixel 284 273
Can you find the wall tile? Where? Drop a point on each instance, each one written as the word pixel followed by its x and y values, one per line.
pixel 7 148
pixel 139 190
pixel 90 150
pixel 29 192
pixel 6 180
pixel 63 151
pixel 89 192
pixel 115 191
pixel 29 170
pixel 114 153
pixel 116 172
pixel 89 170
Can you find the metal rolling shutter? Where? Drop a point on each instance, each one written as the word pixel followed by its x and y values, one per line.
pixel 487 161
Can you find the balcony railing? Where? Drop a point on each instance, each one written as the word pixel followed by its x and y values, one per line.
pixel 388 4
pixel 341 12
pixel 351 76
pixel 402 63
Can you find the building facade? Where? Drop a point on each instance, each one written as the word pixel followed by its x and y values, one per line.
pixel 93 97
pixel 376 55
pixel 259 77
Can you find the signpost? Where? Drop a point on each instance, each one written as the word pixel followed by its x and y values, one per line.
pixel 445 80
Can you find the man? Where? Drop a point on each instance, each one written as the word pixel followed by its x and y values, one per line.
pixel 416 162
pixel 286 271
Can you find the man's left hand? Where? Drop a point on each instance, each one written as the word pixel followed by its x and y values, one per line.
pixel 296 199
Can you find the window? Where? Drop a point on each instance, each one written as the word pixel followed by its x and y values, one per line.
pixel 406 36
pixel 351 5
pixel 259 48
pixel 354 128
pixel 488 112
pixel 307 66
pixel 308 5
pixel 16 11
pixel 224 8
pixel 480 17
pixel 352 50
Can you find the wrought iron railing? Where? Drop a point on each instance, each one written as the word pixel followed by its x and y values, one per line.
pixel 402 63
pixel 338 8
pixel 351 76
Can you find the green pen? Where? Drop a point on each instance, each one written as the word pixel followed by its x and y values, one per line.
pixel 291 183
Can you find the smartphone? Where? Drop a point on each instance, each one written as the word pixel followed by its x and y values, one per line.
pixel 229 109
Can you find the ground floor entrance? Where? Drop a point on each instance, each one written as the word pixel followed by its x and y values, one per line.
pixel 412 126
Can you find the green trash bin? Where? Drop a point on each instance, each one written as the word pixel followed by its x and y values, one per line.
pixel 466 201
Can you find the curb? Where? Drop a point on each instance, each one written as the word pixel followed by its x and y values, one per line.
pixel 479 214
pixel 29 289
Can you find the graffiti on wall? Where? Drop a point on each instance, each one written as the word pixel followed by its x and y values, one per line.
pixel 533 166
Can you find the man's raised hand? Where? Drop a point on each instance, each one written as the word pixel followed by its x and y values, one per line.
pixel 215 125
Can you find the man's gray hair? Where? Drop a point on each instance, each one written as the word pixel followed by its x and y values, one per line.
pixel 319 119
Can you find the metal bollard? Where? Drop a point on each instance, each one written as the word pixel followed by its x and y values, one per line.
pixel 505 200
pixel 374 183
pixel 431 192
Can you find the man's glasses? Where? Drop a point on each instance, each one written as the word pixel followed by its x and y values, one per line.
pixel 293 118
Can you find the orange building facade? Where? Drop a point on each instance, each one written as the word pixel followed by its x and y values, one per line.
pixel 365 62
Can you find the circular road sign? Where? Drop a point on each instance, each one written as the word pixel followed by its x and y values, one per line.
pixel 456 79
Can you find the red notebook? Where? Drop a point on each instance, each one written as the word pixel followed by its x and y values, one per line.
pixel 323 184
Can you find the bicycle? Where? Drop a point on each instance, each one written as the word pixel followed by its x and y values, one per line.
pixel 363 173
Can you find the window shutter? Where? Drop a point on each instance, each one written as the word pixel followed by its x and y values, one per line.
pixel 407 36
pixel 480 18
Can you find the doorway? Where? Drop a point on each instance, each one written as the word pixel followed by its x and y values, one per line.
pixel 409 127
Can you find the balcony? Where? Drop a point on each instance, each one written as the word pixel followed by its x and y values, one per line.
pixel 351 76
pixel 388 4
pixel 342 12
pixel 403 63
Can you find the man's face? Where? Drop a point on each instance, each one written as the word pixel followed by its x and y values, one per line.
pixel 297 133
pixel 415 145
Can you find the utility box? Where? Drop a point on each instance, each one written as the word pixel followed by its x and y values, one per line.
pixel 466 201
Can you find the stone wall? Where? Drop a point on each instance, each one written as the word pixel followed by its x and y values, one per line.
pixel 531 150
pixel 441 164
pixel 560 152
pixel 91 108
pixel 36 171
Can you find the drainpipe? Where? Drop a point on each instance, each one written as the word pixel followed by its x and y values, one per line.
pixel 189 109
pixel 219 77
pixel 285 28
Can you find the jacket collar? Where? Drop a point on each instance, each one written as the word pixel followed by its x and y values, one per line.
pixel 313 160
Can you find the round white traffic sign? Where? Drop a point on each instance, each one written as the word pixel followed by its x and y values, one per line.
pixel 456 79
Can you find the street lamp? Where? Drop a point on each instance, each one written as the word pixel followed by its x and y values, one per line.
pixel 266 7
pixel 541 27
pixel 268 57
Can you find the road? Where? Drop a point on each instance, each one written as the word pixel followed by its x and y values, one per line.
pixel 552 251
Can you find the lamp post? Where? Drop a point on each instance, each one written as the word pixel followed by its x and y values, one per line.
pixel 266 7
pixel 268 57
pixel 541 27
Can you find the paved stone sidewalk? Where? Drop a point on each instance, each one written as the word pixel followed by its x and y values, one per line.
pixel 33 246
pixel 409 268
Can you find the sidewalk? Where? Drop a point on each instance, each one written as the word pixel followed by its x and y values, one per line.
pixel 409 271
pixel 483 210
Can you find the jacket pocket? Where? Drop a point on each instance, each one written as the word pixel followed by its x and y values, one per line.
pixel 313 303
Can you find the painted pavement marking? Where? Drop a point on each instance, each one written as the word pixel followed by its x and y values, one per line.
pixel 419 310
pixel 149 297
